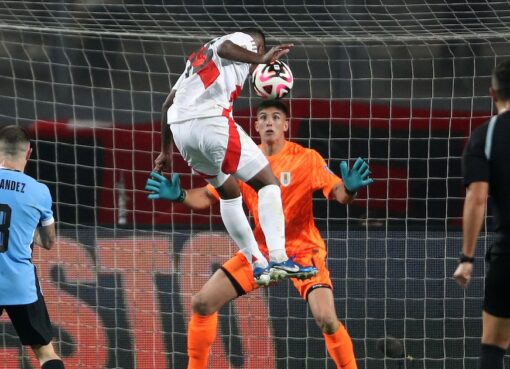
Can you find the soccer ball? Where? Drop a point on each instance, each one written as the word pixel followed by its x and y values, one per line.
pixel 272 81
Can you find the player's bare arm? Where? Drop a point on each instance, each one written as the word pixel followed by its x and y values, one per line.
pixel 353 179
pixel 473 216
pixel 163 161
pixel 199 198
pixel 171 190
pixel 45 236
pixel 340 194
pixel 231 51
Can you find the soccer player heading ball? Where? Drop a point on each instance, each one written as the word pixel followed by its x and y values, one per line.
pixel 302 172
pixel 197 115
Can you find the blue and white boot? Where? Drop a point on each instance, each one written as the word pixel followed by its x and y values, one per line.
pixel 289 269
pixel 262 276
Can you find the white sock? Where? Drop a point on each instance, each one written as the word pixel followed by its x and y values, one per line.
pixel 239 229
pixel 272 221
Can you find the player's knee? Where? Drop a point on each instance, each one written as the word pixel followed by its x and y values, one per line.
pixel 328 323
pixel 229 189
pixel 200 305
pixel 262 179
pixel 270 179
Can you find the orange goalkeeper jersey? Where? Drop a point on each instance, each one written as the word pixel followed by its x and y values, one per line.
pixel 301 171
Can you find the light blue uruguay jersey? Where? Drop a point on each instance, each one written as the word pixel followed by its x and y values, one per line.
pixel 24 204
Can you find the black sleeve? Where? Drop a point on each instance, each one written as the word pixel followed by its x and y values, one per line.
pixel 475 166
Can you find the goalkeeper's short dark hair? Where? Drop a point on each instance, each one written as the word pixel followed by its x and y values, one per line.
pixel 277 104
pixel 501 80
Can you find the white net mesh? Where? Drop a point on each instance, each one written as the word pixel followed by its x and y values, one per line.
pixel 296 19
pixel 402 83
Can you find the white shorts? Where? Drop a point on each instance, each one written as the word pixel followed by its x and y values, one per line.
pixel 217 147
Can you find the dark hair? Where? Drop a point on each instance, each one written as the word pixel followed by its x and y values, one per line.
pixel 277 104
pixel 255 32
pixel 14 138
pixel 501 80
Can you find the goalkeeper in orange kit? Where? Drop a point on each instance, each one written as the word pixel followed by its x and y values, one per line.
pixel 301 171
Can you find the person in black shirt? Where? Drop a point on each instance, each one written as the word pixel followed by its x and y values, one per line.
pixel 486 169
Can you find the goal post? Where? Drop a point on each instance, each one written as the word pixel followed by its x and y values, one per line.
pixel 400 83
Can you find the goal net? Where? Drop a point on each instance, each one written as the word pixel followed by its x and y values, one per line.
pixel 401 83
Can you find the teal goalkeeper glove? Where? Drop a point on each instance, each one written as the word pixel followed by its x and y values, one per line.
pixel 162 188
pixel 357 177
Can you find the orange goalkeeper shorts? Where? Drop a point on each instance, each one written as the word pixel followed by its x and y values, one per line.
pixel 241 272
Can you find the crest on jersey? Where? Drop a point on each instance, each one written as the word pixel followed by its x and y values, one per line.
pixel 285 178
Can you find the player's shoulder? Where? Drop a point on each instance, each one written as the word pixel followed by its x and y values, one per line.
pixel 35 185
pixel 239 34
pixel 24 183
pixel 237 37
pixel 294 148
pixel 478 135
pixel 481 130
pixel 29 179
pixel 16 175
pixel 309 152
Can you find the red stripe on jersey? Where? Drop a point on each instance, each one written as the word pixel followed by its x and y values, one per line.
pixel 235 94
pixel 209 74
pixel 233 154
pixel 204 66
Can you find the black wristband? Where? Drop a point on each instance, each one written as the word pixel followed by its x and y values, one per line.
pixel 349 192
pixel 182 196
pixel 466 259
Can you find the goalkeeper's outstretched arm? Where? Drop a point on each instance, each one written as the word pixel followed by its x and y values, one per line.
pixel 340 194
pixel 354 179
pixel 199 198
pixel 171 190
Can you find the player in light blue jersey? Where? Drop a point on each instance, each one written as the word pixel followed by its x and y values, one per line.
pixel 25 218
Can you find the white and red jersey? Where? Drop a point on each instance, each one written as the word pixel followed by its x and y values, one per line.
pixel 210 84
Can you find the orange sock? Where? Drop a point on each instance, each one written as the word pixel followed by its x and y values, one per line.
pixel 340 348
pixel 201 336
